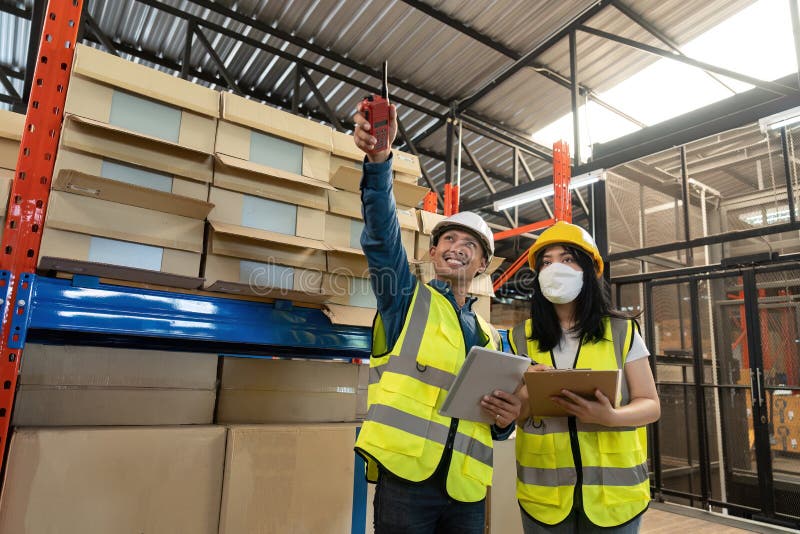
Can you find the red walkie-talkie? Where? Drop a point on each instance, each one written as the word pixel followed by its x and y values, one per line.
pixel 376 110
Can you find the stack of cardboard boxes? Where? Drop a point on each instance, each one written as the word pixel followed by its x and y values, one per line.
pixel 270 195
pixel 131 177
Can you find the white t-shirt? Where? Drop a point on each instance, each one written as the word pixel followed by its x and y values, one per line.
pixel 564 353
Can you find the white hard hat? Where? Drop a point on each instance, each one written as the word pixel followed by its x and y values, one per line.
pixel 470 222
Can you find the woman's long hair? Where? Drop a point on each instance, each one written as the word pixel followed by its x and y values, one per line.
pixel 592 304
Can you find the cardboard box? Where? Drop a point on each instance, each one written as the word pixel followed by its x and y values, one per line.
pixel 406 167
pixel 111 142
pixel 78 213
pixel 101 480
pixel 273 216
pixel 139 99
pixel 11 126
pixel 92 186
pixel 302 150
pixel 264 246
pixel 344 225
pixel 286 391
pixel 69 385
pixel 268 182
pixel 280 236
pixel 349 315
pixel 288 479
pixel 483 307
pixel 239 110
pixel 349 290
pixel 406 195
pixel 115 240
pixel 246 277
pixel 69 160
pixel 6 178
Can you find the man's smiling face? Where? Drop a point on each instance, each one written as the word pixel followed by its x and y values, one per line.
pixel 458 256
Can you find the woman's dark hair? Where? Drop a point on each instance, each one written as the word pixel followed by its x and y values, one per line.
pixel 592 304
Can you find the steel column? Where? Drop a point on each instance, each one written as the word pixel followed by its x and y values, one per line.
pixel 787 169
pixel 687 235
pixel 573 78
pixel 703 459
pixel 34 37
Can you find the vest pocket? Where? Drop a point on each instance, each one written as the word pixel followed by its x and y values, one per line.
pixel 614 495
pixel 452 333
pixel 618 449
pixel 537 469
pixel 415 396
pixel 474 468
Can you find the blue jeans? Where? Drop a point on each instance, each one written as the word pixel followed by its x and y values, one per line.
pixel 577 521
pixel 405 508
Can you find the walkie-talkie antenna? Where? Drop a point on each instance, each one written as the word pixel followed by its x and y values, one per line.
pixel 385 81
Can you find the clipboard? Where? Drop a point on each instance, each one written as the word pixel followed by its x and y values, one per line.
pixel 483 372
pixel 544 384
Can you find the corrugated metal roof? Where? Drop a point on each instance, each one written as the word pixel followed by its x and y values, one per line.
pixel 423 52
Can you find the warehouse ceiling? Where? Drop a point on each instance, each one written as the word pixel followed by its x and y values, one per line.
pixel 502 67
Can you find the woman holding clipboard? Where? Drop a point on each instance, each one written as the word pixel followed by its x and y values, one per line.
pixel 585 472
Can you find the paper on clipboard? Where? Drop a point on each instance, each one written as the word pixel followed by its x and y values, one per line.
pixel 483 372
pixel 544 384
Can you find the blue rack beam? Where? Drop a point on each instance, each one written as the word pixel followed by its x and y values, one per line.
pixel 88 312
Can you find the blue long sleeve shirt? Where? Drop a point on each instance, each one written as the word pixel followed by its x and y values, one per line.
pixel 390 275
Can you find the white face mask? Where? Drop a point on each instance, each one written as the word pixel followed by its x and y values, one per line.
pixel 560 284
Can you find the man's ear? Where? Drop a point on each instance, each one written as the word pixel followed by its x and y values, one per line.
pixel 432 250
pixel 484 265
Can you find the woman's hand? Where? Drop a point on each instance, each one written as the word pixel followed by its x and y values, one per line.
pixel 599 411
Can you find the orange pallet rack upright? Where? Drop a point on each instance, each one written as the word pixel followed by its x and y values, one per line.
pixel 562 203
pixel 30 189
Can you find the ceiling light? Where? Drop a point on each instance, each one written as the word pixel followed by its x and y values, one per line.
pixel 779 120
pixel 547 191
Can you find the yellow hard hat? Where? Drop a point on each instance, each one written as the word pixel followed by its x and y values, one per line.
pixel 564 233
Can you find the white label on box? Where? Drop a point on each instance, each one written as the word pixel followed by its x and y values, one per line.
pixel 276 152
pixel 266 275
pixel 145 116
pixel 114 170
pixel 270 215
pixel 356 228
pixel 361 294
pixel 102 250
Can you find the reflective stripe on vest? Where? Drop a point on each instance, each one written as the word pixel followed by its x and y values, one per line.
pixel 614 476
pixel 429 430
pixel 403 430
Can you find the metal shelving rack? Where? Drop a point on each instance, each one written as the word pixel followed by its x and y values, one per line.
pixel 85 311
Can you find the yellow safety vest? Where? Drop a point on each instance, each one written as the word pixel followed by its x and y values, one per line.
pixel 613 478
pixel 403 432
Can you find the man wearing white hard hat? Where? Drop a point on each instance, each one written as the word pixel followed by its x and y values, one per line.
pixel 431 471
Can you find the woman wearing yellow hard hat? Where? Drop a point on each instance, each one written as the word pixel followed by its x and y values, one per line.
pixel 587 471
